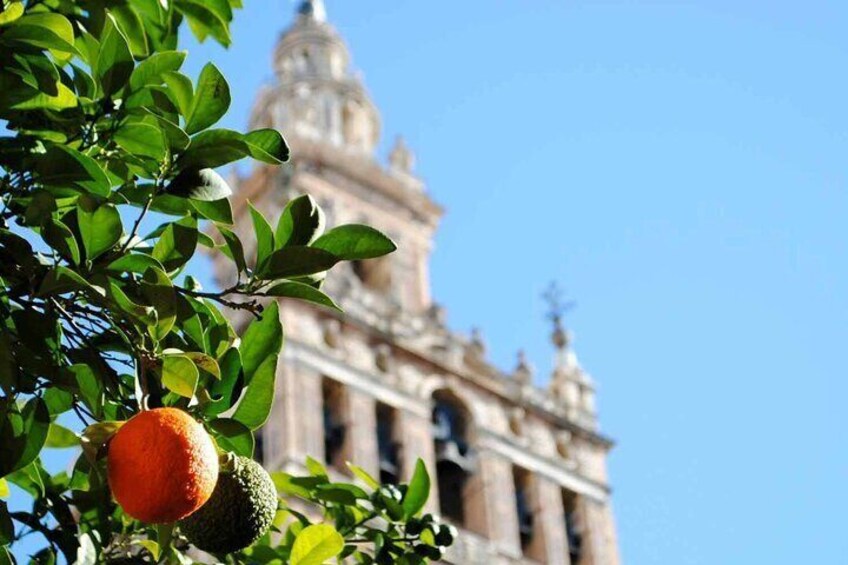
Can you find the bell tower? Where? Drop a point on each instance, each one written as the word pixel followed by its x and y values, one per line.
pixel 333 129
pixel 519 469
pixel 318 97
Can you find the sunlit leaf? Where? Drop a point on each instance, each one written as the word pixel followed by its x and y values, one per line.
pixel 355 241
pixel 233 436
pixel 150 70
pixel 60 437
pixel 418 491
pixel 179 375
pixel 211 100
pixel 301 291
pixel 114 61
pixel 99 225
pixel 316 544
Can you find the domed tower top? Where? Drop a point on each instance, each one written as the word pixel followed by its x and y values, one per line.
pixel 313 9
pixel 318 97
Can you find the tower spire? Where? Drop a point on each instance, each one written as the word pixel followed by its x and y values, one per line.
pixel 313 10
pixel 560 337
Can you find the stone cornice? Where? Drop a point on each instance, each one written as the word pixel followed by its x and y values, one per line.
pixel 495 382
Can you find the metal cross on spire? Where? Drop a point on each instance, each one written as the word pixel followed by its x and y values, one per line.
pixel 557 307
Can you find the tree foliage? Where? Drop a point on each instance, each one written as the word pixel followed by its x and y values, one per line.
pixel 104 134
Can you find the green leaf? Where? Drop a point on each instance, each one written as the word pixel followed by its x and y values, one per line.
pixel 8 365
pixel 268 146
pixel 233 436
pixel 15 94
pixel 144 314
pixel 62 167
pixel 234 249
pixel 60 437
pixel 95 438
pixel 99 226
pixel 180 90
pixel 22 433
pixel 7 528
pixel 204 185
pixel 12 12
pixel 115 61
pixel 219 211
pixel 61 238
pixel 355 241
pixel 58 401
pixel 301 222
pixel 316 544
pixel 285 486
pixel 262 340
pixel 131 25
pixel 179 375
pixel 205 362
pixel 48 30
pixel 264 236
pixel 225 392
pixel 255 406
pixel 177 139
pixel 134 263
pixel 363 475
pixel 214 148
pixel 29 478
pixel 418 491
pixel 90 387
pixel 205 20
pixel 301 291
pixel 152 547
pixel 150 70
pixel 177 243
pixel 211 100
pixel 296 261
pixel 315 467
pixel 141 139
pixel 159 292
pixel 61 280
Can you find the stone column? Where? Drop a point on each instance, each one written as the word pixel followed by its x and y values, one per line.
pixel 361 421
pixel 297 415
pixel 416 438
pixel 550 544
pixel 490 508
pixel 599 533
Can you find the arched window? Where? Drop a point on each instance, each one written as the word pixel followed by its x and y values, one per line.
pixel 335 429
pixel 524 508
pixel 387 444
pixel 454 455
pixel 573 527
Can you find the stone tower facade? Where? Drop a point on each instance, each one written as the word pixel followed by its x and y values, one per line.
pixel 520 470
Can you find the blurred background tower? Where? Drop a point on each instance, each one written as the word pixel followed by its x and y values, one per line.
pixel 520 470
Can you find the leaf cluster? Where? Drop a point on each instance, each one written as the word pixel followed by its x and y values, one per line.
pixel 104 137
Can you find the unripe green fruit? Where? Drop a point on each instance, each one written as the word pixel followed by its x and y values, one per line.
pixel 239 512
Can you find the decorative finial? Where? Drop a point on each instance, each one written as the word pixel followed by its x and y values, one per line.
pixel 477 344
pixel 523 372
pixel 313 10
pixel 401 158
pixel 556 310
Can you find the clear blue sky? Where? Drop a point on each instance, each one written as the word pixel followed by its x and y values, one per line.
pixel 681 170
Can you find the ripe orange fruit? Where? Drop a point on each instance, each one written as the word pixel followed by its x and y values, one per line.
pixel 162 466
